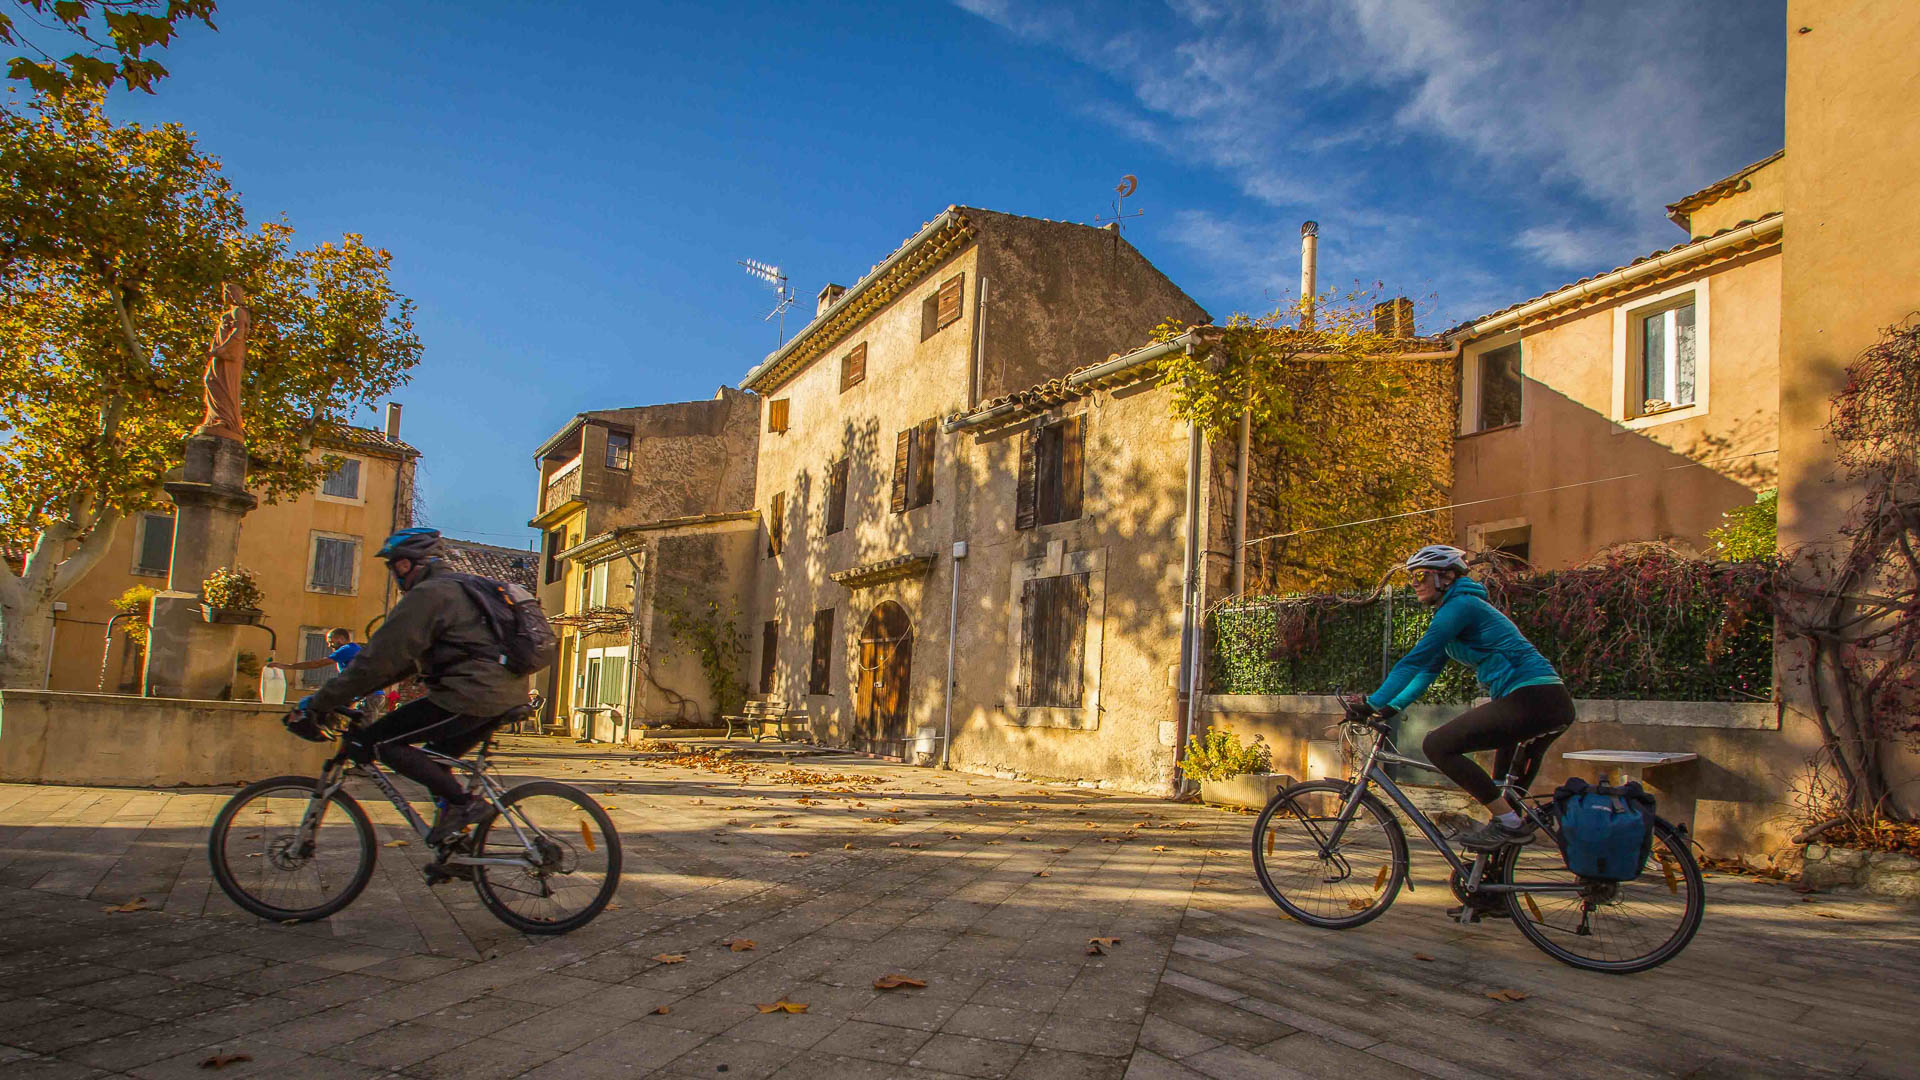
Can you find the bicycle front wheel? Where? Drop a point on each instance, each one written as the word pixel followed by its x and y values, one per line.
pixel 567 859
pixel 1618 927
pixel 1332 886
pixel 262 862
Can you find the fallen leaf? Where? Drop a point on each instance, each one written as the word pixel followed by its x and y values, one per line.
pixel 1159 847
pixel 1423 957
pixel 915 844
pixel 221 1061
pixel 739 944
pixel 1098 946
pixel 1043 873
pixel 1506 995
pixel 394 843
pixel 138 903
pixel 896 843
pixel 1203 881
pixel 798 854
pixel 1059 850
pixel 661 1010
pixel 1026 839
pixel 783 1005
pixel 670 958
pixel 992 842
pixel 846 847
pixel 895 982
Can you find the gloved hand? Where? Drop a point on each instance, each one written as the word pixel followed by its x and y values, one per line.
pixel 1356 707
pixel 1385 714
pixel 306 725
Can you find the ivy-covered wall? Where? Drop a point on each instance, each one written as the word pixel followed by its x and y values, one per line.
pixel 1648 624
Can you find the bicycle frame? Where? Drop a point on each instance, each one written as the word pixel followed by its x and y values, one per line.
pixel 480 784
pixel 1371 774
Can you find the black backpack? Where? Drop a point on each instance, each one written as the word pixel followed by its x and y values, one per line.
pixel 527 644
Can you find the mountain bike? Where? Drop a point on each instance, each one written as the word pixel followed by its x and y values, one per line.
pixel 298 848
pixel 1333 855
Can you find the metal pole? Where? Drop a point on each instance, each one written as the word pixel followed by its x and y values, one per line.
pixel 1386 636
pixel 953 621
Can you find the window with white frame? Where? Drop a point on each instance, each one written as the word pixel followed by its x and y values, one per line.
pixel 1660 356
pixel 333 564
pixel 1499 389
pixel 343 482
pixel 153 547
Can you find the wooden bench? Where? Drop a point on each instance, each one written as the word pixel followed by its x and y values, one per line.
pixel 765 719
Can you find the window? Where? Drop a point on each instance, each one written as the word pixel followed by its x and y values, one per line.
pixel 1664 360
pixel 333 564
pixel 942 308
pixel 1053 619
pixel 556 543
pixel 1516 542
pixel 776 524
pixel 853 368
pixel 837 495
pixel 769 643
pixel 153 552
pixel 913 467
pixel 313 646
pixel 1051 474
pixel 619 450
pixel 820 675
pixel 1499 387
pixel 778 411
pixel 593 587
pixel 344 481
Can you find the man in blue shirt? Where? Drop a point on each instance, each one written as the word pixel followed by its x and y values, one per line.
pixel 341 649
pixel 1528 698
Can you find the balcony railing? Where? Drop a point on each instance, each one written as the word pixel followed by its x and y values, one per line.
pixel 564 485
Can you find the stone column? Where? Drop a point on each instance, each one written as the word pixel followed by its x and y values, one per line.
pixel 188 657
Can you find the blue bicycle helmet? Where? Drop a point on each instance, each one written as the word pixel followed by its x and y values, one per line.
pixel 416 544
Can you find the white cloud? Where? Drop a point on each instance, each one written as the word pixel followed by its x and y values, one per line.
pixel 1568 247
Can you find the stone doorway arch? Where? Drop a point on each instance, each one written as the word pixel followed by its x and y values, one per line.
pixel 880 681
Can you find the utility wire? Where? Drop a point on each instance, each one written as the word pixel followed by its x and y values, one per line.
pixel 1496 498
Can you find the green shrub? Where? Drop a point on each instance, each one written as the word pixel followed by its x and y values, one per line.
pixel 1218 755
pixel 138 603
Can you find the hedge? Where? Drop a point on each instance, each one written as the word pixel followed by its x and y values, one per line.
pixel 1642 624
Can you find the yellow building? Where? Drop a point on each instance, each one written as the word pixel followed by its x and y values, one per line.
pixel 313 557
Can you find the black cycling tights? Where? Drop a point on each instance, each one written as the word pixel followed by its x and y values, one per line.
pixel 390 738
pixel 1499 725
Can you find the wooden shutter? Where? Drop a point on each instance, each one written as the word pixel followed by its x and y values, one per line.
pixel 853 367
pixel 820 677
pixel 1070 628
pixel 769 646
pixel 777 524
pixel 1026 502
pixel 950 291
pixel 837 496
pixel 902 451
pixel 1072 467
pixel 1028 598
pixel 1053 645
pixel 1046 474
pixel 923 463
pixel 777 414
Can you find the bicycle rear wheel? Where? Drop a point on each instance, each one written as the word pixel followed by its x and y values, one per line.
pixel 1616 927
pixel 1355 882
pixel 572 871
pixel 257 857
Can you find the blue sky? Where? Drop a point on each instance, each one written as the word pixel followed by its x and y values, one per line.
pixel 565 188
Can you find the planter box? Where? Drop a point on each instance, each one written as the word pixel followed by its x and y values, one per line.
pixel 232 616
pixel 1252 790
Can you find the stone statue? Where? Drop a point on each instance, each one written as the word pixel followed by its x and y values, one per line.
pixel 226 368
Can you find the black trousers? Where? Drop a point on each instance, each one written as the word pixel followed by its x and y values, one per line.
pixel 1500 725
pixel 393 739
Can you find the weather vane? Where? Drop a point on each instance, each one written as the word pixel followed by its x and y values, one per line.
pixel 1127 186
pixel 782 293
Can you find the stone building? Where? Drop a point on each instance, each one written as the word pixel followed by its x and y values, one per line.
pixel 647 525
pixel 313 556
pixel 863 490
pixel 1640 403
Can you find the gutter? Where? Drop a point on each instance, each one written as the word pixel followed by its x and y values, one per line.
pixel 932 228
pixel 1759 230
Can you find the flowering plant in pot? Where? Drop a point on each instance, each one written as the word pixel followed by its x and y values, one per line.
pixel 1228 771
pixel 231 595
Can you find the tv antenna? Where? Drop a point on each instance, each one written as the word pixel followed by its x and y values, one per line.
pixel 782 294
pixel 1127 186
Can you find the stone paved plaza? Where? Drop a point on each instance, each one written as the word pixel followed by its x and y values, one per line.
pixel 986 890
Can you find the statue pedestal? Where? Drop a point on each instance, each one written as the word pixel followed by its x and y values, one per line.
pixel 188 657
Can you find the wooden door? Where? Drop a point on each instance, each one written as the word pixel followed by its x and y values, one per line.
pixel 886 665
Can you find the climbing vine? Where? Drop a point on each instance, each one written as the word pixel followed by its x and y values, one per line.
pixel 709 630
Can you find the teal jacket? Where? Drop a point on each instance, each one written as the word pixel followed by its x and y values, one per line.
pixel 1468 629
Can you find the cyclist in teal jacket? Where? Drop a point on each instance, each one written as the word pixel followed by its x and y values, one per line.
pixel 1528 697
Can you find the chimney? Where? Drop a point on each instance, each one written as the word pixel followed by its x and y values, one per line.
pixel 827 296
pixel 1394 317
pixel 1309 270
pixel 393 420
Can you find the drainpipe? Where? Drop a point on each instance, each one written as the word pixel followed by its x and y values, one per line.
pixel 633 640
pixel 1309 271
pixel 1240 485
pixel 953 623
pixel 1190 602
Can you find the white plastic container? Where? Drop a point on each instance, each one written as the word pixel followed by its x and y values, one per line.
pixel 273 686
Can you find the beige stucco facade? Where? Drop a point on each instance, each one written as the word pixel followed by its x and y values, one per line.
pixel 278 542
pixel 1583 469
pixel 1036 299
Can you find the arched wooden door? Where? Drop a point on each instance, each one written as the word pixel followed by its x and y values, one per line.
pixel 880 682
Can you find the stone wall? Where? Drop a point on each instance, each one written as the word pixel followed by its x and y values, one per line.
pixel 1881 873
pixel 121 741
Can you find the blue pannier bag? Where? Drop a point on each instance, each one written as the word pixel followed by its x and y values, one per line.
pixel 1607 831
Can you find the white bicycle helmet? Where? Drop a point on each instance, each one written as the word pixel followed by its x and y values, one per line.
pixel 1438 557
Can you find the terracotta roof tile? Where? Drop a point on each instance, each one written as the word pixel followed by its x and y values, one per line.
pixel 511 565
pixel 351 437
pixel 1714 192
